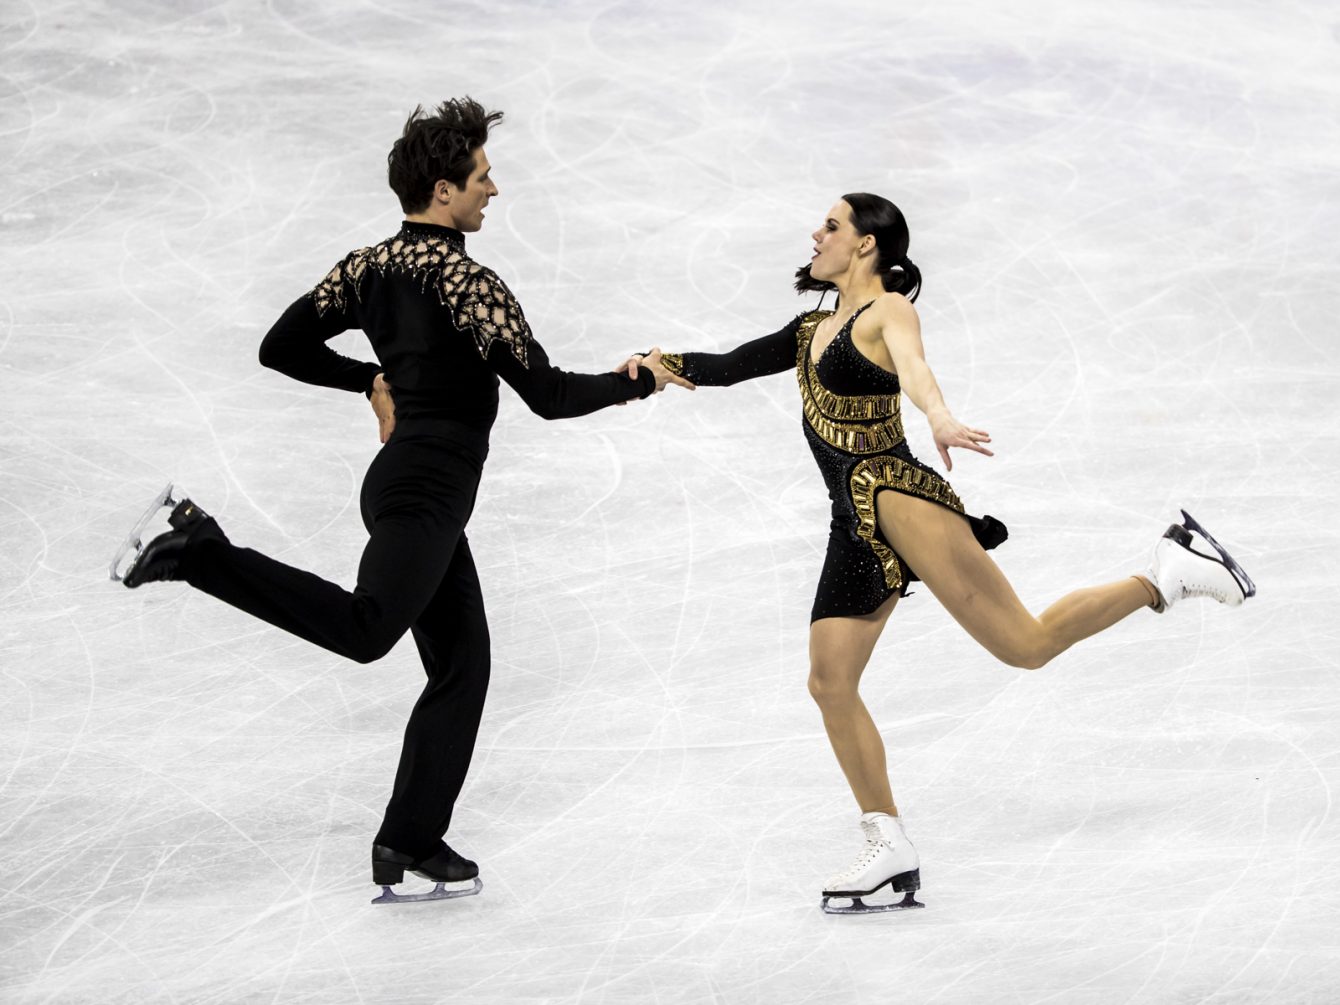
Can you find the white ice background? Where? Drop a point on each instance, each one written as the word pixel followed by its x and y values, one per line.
pixel 1126 214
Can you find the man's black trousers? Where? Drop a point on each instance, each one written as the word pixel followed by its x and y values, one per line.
pixel 417 574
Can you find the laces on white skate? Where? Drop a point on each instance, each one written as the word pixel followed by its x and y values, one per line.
pixel 868 857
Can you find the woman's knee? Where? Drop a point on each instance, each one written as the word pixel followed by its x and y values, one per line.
pixel 1032 651
pixel 832 684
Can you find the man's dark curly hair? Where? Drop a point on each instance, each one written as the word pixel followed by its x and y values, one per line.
pixel 437 146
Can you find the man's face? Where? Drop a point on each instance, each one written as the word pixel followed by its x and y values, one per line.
pixel 467 203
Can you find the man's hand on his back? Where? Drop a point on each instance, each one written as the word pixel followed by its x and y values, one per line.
pixel 383 406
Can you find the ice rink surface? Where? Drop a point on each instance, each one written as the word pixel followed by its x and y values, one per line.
pixel 1126 214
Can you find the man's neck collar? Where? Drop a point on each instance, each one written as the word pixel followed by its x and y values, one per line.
pixel 426 228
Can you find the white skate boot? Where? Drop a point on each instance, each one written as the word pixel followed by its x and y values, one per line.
pixel 888 859
pixel 1179 570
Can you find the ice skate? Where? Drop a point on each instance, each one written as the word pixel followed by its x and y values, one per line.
pixel 136 563
pixel 1179 570
pixel 888 859
pixel 443 867
pixel 132 543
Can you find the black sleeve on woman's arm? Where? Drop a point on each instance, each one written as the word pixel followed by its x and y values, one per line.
pixel 769 354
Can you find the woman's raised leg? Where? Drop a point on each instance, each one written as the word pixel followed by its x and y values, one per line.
pixel 939 545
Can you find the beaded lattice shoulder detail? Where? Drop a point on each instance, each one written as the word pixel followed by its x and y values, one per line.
pixel 479 301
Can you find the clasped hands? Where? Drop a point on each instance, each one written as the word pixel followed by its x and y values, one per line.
pixel 383 402
pixel 652 361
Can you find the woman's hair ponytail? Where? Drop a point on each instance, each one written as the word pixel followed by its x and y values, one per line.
pixel 903 277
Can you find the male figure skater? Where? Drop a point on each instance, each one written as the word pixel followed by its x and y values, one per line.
pixel 444 329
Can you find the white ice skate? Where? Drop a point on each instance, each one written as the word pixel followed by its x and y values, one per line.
pixel 888 859
pixel 1179 570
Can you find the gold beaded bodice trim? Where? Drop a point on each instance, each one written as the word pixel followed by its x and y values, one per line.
pixel 868 477
pixel 479 301
pixel 825 411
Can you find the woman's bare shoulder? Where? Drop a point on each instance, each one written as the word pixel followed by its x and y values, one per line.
pixel 893 310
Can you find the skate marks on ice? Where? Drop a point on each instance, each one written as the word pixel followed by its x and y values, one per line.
pixel 1129 254
pixel 438 892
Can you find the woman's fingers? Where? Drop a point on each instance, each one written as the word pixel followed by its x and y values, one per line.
pixel 971 443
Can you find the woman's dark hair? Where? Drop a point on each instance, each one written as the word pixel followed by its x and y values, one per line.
pixel 437 146
pixel 873 214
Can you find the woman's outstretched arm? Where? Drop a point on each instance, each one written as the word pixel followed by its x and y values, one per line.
pixel 757 358
pixel 901 330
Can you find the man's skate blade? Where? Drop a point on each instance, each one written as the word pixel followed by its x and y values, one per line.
pixel 1244 581
pixel 438 892
pixel 858 906
pixel 132 541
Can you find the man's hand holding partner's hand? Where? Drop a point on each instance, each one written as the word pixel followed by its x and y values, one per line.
pixel 652 361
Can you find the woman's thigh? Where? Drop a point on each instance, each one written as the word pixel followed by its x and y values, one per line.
pixel 939 547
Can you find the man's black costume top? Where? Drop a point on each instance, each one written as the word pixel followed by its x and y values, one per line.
pixel 444 327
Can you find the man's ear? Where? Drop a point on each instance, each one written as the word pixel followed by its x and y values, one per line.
pixel 442 191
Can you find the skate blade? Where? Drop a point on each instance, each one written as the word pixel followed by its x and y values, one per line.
pixel 1244 581
pixel 858 906
pixel 132 541
pixel 439 892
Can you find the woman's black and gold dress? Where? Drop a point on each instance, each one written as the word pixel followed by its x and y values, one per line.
pixel 854 427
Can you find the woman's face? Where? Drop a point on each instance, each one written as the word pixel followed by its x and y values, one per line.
pixel 836 243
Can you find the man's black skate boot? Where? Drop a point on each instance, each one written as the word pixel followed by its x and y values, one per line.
pixel 443 866
pixel 160 559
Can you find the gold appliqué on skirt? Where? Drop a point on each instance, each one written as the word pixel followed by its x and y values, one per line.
pixel 868 477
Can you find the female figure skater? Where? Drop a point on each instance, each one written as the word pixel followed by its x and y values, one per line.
pixel 896 520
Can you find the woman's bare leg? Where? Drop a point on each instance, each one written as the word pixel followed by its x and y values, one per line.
pixel 840 648
pixel 939 545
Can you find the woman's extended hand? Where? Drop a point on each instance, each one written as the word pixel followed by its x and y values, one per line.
pixel 652 361
pixel 949 432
